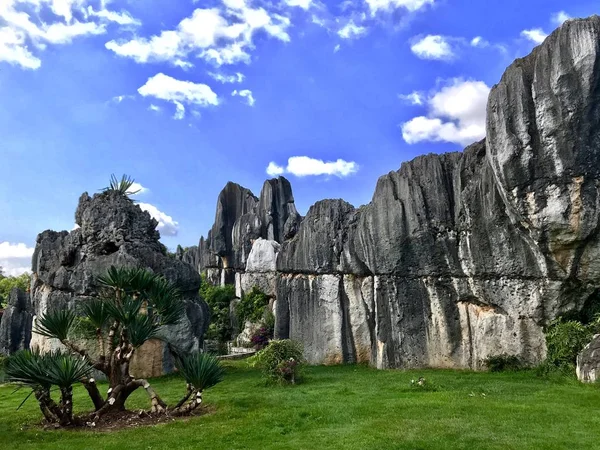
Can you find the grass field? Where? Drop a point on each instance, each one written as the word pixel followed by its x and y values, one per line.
pixel 344 407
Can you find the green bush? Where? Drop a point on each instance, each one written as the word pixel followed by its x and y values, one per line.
pixel 8 283
pixel 252 306
pixel 564 341
pixel 218 299
pixel 280 361
pixel 504 363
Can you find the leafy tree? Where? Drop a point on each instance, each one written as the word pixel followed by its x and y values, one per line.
pixel 135 307
pixel 8 283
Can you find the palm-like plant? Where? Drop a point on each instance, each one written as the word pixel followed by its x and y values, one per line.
pixel 123 186
pixel 135 307
pixel 55 324
pixel 201 371
pixel 42 371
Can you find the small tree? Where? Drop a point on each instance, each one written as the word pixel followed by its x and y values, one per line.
pixel 135 307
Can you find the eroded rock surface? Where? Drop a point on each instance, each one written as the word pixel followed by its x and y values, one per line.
pixel 113 231
pixel 458 256
pixel 15 326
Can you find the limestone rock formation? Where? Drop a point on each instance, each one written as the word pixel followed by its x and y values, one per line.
pixel 459 256
pixel 15 326
pixel 113 230
pixel 588 362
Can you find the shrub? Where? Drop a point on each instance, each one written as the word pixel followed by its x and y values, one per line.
pixel 261 337
pixel 504 363
pixel 280 361
pixel 252 306
pixel 564 341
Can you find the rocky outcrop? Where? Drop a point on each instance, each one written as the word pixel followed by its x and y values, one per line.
pixel 588 362
pixel 459 256
pixel 113 230
pixel 240 220
pixel 15 326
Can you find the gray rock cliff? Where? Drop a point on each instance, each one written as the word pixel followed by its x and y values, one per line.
pixel 459 256
pixel 15 326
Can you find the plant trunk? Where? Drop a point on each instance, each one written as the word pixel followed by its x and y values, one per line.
pixel 94 393
pixel 190 406
pixel 66 406
pixel 47 405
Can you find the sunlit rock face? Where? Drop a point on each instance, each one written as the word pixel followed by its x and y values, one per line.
pixel 459 256
pixel 113 230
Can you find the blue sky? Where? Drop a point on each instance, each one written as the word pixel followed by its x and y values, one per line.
pixel 187 95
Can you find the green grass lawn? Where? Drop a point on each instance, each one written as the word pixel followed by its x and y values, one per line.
pixel 344 407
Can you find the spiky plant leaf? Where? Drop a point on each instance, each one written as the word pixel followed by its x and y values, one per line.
pixel 122 186
pixel 96 311
pixel 141 329
pixel 115 278
pixel 27 368
pixel 55 324
pixel 64 369
pixel 201 370
pixel 165 302
pixel 126 311
pixel 134 281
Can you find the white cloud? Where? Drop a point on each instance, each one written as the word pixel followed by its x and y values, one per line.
pixel 154 108
pixel 138 189
pixel 15 259
pixel 302 166
pixel 220 37
pixel 30 25
pixel 479 42
pixel 536 35
pixel 560 17
pixel 13 49
pixel 414 98
pixel 351 30
pixel 120 98
pixel 166 225
pixel 387 5
pixel 456 114
pixel 237 78
pixel 304 4
pixel 179 92
pixel 433 47
pixel 336 48
pixel 179 111
pixel 121 18
pixel 245 93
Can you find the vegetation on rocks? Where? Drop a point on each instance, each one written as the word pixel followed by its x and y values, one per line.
pixel 218 299
pixel 252 306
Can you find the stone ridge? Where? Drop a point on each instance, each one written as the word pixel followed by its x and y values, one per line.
pixel 458 256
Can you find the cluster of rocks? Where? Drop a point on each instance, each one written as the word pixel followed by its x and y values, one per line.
pixel 458 256
pixel 113 230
